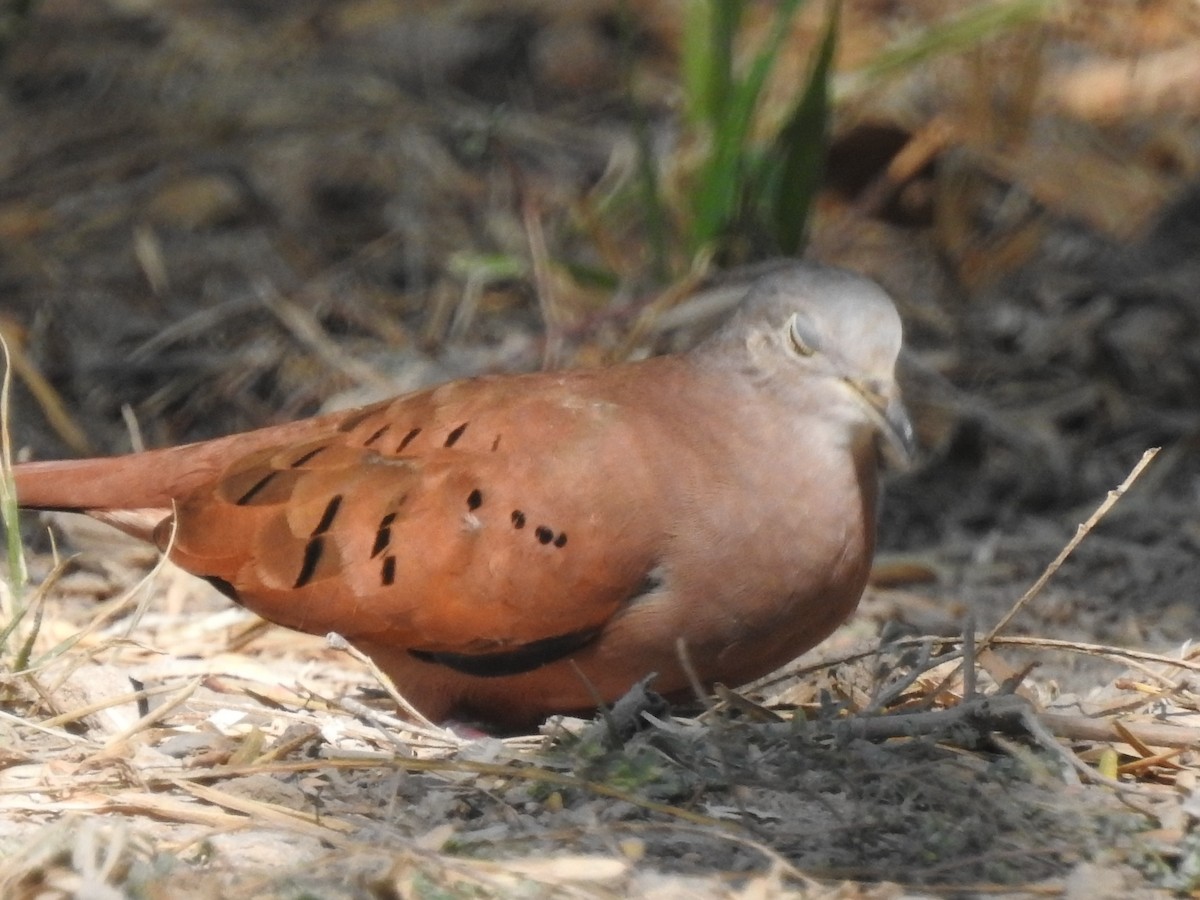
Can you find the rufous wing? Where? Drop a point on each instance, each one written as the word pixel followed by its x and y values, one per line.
pixel 443 542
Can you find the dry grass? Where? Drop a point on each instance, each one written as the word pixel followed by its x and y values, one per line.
pixel 262 261
pixel 173 751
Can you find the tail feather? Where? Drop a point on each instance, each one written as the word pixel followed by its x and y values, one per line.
pixel 147 483
pixel 136 481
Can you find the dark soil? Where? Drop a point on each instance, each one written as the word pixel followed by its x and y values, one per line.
pixel 218 215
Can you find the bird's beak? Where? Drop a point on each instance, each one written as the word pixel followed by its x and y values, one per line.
pixel 891 418
pixel 900 443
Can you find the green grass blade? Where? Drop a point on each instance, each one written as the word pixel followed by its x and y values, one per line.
pixel 648 186
pixel 9 512
pixel 8 488
pixel 708 31
pixel 745 99
pixel 722 178
pixel 801 145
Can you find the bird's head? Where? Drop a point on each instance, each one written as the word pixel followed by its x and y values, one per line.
pixel 805 321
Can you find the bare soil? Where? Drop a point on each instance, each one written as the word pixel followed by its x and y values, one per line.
pixel 216 215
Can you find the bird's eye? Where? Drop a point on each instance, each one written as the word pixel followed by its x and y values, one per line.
pixel 802 337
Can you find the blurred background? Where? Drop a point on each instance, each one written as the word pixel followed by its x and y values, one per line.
pixel 216 215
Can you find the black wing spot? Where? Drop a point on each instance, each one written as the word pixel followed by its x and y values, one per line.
pixel 312 555
pixel 518 519
pixel 327 517
pixel 496 444
pixel 224 587
pixel 561 540
pixel 383 536
pixel 525 658
pixel 408 439
pixel 544 534
pixel 306 457
pixel 255 488
pixel 388 573
pixel 353 420
pixel 379 432
pixel 474 499
pixel 452 437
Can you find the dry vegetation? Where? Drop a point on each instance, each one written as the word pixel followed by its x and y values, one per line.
pixel 216 214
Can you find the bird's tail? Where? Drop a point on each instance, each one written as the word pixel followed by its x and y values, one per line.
pixel 136 491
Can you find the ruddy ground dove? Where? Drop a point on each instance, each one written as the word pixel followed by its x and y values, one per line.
pixel 507 547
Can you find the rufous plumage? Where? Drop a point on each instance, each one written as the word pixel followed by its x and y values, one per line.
pixel 507 547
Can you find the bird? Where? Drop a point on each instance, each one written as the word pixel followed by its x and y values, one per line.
pixel 508 547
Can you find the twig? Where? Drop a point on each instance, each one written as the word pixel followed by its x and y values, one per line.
pixel 1083 728
pixel 155 715
pixel 619 722
pixel 887 693
pixel 113 609
pixel 720 723
pixel 308 331
pixel 61 734
pixel 1036 643
pixel 1045 738
pixel 259 812
pixel 136 442
pixel 970 657
pixel 1080 534
pixel 443 736
pixel 337 642
pixel 551 312
pixel 693 677
pixel 108 703
pixel 606 715
pixel 1099 650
